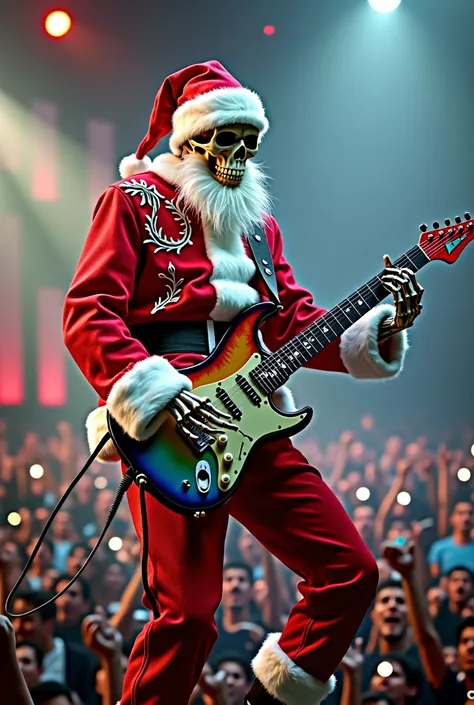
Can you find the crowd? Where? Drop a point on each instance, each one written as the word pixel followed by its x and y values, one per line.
pixel 416 644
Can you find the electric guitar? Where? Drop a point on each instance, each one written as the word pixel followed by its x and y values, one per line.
pixel 198 475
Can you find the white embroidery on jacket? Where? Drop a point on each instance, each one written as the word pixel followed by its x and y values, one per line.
pixel 174 290
pixel 151 197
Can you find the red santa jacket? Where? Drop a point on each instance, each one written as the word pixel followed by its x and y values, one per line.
pixel 146 260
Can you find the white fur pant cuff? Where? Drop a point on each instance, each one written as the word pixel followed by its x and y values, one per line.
pixel 286 681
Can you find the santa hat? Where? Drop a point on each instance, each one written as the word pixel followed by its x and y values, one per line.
pixel 197 98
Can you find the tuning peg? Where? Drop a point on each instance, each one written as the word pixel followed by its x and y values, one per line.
pixel 451 232
pixel 458 219
pixel 436 225
pixel 423 227
pixel 447 221
pixel 467 216
pixel 460 229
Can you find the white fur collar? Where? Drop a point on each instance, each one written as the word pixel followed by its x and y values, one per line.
pixel 232 268
pixel 164 165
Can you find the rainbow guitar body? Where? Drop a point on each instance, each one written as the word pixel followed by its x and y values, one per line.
pixel 194 478
pixel 239 377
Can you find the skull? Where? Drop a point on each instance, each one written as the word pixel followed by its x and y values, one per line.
pixel 226 150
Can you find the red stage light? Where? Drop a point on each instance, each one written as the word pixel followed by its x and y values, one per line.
pixel 269 29
pixel 58 23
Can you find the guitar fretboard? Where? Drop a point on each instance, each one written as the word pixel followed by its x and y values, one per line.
pixel 277 367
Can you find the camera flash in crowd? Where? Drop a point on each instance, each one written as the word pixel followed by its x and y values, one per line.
pixel 385 669
pixel 115 543
pixel 36 471
pixel 404 498
pixel 464 474
pixel 14 519
pixel 100 482
pixel 363 494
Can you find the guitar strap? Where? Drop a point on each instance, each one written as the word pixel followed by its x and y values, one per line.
pixel 260 249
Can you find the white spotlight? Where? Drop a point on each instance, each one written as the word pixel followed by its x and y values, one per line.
pixel 14 519
pixel 464 474
pixel 404 498
pixel 384 5
pixel 363 494
pixel 100 482
pixel 385 669
pixel 472 449
pixel 36 471
pixel 115 543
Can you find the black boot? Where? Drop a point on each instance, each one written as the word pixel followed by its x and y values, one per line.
pixel 257 695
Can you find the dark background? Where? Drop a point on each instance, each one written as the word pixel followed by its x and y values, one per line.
pixel 371 133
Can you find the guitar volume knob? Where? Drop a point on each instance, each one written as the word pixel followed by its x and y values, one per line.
pixel 225 479
pixel 228 458
pixel 222 440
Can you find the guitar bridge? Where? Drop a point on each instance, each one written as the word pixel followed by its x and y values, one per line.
pixel 199 444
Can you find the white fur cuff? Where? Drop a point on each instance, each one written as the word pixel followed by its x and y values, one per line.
pixel 359 347
pixel 138 397
pixel 96 426
pixel 131 165
pixel 286 681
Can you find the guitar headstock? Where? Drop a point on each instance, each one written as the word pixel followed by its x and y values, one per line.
pixel 446 243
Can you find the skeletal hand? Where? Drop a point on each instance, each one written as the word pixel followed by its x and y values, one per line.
pixel 407 294
pixel 189 410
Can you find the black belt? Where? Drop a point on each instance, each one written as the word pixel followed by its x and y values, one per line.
pixel 166 337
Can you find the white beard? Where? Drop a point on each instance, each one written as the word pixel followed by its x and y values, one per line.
pixel 225 209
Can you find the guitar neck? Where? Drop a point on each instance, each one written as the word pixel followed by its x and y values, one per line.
pixel 277 367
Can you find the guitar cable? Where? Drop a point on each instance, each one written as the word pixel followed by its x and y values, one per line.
pixel 127 480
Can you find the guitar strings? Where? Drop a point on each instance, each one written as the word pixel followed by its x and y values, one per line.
pixel 266 365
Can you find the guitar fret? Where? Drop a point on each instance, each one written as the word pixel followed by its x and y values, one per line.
pixel 275 368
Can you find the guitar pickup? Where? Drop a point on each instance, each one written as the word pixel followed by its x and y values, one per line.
pixel 248 390
pixel 232 408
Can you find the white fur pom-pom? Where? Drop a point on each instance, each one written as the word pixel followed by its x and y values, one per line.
pixel 131 165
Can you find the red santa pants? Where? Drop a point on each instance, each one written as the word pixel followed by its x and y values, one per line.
pixel 285 504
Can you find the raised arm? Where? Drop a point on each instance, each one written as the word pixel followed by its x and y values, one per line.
pixel 352 665
pixel 273 608
pixel 389 500
pixel 443 495
pixel 14 688
pixel 106 642
pixel 403 560
pixel 123 618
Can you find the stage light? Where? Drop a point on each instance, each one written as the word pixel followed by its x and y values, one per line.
pixel 464 474
pixel 36 471
pixel 472 449
pixel 384 5
pixel 269 29
pixel 58 23
pixel 404 498
pixel 115 543
pixel 385 669
pixel 363 494
pixel 14 519
pixel 100 482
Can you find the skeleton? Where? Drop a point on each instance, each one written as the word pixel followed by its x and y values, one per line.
pixel 226 151
pixel 407 295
